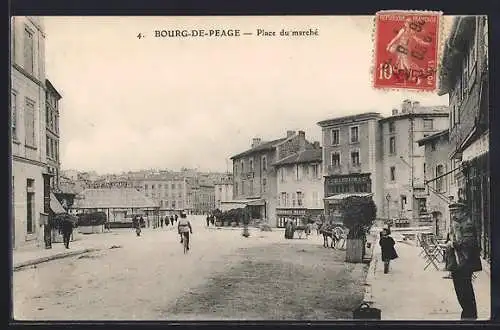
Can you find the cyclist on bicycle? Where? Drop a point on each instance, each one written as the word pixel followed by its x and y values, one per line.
pixel 184 228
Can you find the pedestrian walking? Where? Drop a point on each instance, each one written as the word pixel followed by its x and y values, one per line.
pixel 463 258
pixel 137 225
pixel 387 246
pixel 288 230
pixel 208 220
pixel 161 222
pixel 67 230
pixel 172 220
pixel 175 218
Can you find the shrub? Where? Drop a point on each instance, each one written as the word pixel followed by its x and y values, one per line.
pixel 358 215
pixel 92 219
pixel 56 221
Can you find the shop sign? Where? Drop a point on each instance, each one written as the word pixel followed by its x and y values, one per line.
pixel 291 212
pixel 348 179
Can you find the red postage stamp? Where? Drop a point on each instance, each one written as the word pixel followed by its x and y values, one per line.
pixel 406 50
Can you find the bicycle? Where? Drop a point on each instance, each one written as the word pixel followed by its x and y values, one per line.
pixel 185 243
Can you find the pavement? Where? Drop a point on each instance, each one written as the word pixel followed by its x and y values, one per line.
pixel 33 255
pixel 135 281
pixel 408 292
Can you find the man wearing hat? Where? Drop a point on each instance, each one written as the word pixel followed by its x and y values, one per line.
pixel 464 245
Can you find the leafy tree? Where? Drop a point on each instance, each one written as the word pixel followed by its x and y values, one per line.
pixel 358 214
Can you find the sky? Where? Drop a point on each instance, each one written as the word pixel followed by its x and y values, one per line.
pixel 168 103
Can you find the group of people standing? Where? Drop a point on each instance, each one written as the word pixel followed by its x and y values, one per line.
pixel 210 220
pixel 172 219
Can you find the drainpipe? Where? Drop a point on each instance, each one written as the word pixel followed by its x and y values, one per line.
pixel 459 22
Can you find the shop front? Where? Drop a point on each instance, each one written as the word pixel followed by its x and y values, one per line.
pixel 477 194
pixel 299 216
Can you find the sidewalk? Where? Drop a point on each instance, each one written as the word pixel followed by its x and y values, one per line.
pixel 409 292
pixel 32 255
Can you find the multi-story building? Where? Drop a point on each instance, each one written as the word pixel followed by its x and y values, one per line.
pixel 203 196
pixel 52 98
pixel 440 190
pixel 402 160
pixel 30 177
pixel 169 192
pixel 464 77
pixel 223 190
pixel 350 158
pixel 254 177
pixel 299 186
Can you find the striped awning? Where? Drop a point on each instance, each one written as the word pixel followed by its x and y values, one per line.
pixel 55 206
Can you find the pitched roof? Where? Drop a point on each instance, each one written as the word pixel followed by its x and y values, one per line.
pixel 113 198
pixel 306 156
pixel 432 137
pixel 460 34
pixel 261 147
pixel 350 118
pixel 420 111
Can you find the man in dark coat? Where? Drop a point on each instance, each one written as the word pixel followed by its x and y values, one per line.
pixel 465 247
pixel 172 220
pixel 67 230
pixel 208 220
pixel 176 217
pixel 387 246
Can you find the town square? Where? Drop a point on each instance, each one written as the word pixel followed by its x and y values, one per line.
pixel 258 175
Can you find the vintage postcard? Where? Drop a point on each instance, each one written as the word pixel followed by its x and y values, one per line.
pixel 298 168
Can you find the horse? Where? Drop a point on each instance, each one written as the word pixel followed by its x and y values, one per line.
pixel 327 231
pixel 341 237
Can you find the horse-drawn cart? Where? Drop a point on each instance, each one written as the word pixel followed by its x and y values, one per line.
pixel 303 229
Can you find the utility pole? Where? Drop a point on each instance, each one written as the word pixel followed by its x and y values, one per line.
pixel 411 149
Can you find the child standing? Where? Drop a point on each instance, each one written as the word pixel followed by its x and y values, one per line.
pixel 388 252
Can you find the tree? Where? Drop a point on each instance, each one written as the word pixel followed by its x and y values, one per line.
pixel 358 215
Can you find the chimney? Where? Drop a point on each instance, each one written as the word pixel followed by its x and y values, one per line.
pixel 405 107
pixel 416 105
pixel 316 145
pixel 289 133
pixel 394 112
pixel 302 140
pixel 255 142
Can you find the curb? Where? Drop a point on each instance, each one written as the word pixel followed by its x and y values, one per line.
pixel 370 275
pixel 50 258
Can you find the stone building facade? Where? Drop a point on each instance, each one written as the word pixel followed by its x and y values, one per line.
pixel 350 154
pixel 299 187
pixel 223 190
pixel 254 177
pixel 30 179
pixel 402 160
pixel 464 77
pixel 52 133
pixel 440 189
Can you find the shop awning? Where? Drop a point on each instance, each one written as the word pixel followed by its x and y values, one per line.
pixel 339 197
pixel 257 202
pixel 55 206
